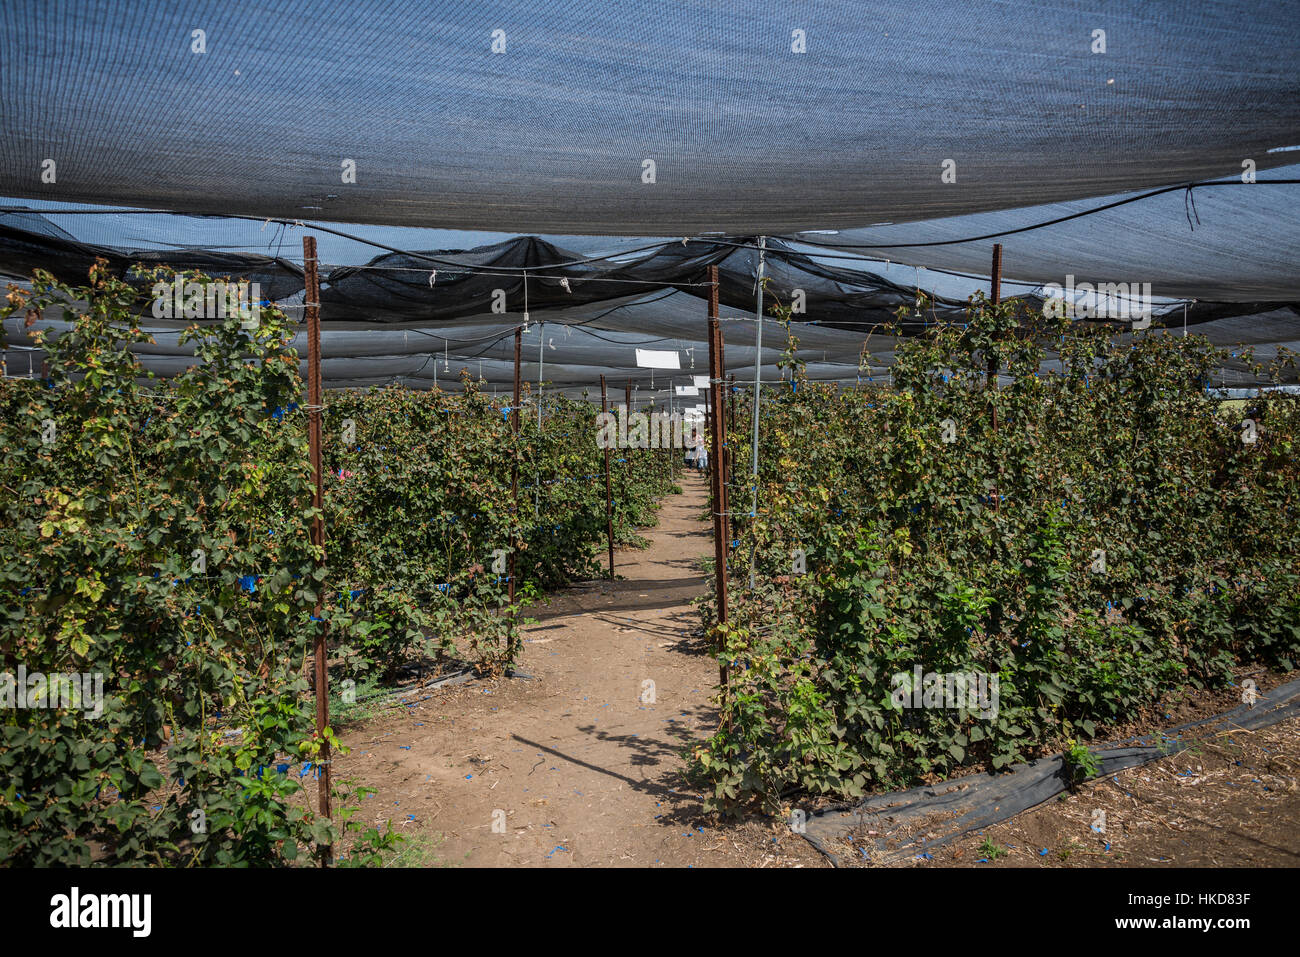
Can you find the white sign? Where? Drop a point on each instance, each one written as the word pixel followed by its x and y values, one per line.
pixel 701 382
pixel 657 359
pixel 686 390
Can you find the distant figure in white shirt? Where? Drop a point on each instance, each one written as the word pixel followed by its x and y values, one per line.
pixel 697 454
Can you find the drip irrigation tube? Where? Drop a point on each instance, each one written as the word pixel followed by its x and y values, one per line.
pixel 971 803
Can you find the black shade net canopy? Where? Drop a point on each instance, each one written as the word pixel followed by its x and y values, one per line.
pixel 851 157
pixel 637 118
pixel 418 318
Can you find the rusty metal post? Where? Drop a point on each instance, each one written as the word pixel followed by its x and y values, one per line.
pixel 992 380
pixel 728 451
pixel 668 449
pixel 725 461
pixel 712 412
pixel 514 472
pixel 667 458
pixel 672 456
pixel 609 494
pixel 718 488
pixel 627 452
pixel 311 303
pixel 997 274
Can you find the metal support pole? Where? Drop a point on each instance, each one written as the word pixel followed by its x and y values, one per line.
pixel 758 376
pixel 541 364
pixel 717 482
pixel 627 452
pixel 728 451
pixel 311 302
pixel 668 457
pixel 609 494
pixel 514 470
pixel 993 363
pixel 672 453
pixel 665 408
pixel 708 427
pixel 992 380
pixel 997 274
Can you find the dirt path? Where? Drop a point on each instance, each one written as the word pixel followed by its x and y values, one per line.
pixel 580 762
